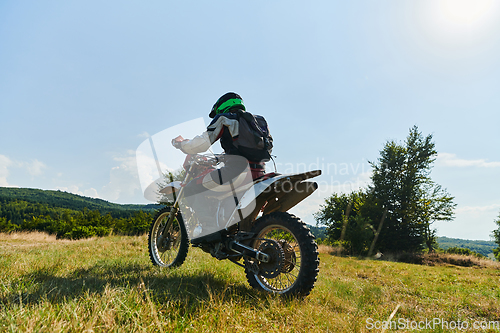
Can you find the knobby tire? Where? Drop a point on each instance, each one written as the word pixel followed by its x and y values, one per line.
pixel 178 247
pixel 308 259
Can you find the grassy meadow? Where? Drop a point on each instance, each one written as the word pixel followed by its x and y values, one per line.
pixel 109 285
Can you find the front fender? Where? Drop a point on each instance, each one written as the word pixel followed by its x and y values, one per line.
pixel 170 188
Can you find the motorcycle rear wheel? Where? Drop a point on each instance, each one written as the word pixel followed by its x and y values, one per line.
pixel 299 271
pixel 169 250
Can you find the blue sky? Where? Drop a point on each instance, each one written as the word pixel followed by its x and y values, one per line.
pixel 82 82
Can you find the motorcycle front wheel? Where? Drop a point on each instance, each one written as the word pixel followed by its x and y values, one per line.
pixel 294 265
pixel 168 242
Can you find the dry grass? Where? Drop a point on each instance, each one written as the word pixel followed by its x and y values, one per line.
pixel 443 259
pixel 325 249
pixel 108 284
pixel 31 236
pixel 332 250
pixel 33 239
pixel 433 259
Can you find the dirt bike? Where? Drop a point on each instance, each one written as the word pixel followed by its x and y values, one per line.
pixel 276 249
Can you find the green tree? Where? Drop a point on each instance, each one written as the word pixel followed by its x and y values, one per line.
pixel 434 204
pixel 464 252
pixel 345 221
pixel 397 210
pixel 7 226
pixel 496 237
pixel 401 184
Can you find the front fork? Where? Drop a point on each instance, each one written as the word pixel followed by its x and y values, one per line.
pixel 234 245
pixel 173 210
pixel 164 237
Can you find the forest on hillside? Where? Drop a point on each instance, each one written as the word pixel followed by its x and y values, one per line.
pixel 71 201
pixel 69 215
pixel 480 246
pixel 73 216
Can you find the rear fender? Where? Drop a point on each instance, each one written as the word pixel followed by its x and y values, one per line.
pixel 283 201
pixel 291 186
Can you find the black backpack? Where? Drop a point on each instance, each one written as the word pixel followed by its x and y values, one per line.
pixel 254 140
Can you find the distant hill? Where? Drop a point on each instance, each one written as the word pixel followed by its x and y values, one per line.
pixel 479 246
pixel 483 247
pixel 17 204
pixel 65 200
pixel 69 215
pixel 318 232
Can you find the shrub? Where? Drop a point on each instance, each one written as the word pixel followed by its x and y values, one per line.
pixel 7 226
pixel 463 251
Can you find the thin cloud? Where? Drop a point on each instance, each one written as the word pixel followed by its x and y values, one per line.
pixel 124 180
pixel 144 135
pixel 451 160
pixel 35 168
pixel 91 192
pixel 5 163
pixel 471 209
pixel 70 189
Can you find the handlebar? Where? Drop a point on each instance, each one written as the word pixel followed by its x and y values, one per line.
pixel 203 160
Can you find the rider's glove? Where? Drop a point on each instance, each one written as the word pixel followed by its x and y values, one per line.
pixel 176 144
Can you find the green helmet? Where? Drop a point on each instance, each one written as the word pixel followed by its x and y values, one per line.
pixel 226 103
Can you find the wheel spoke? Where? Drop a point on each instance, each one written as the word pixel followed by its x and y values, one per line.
pixel 292 271
pixel 279 233
pixel 168 243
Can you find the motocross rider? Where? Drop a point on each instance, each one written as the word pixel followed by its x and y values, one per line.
pixel 224 126
pixel 226 114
